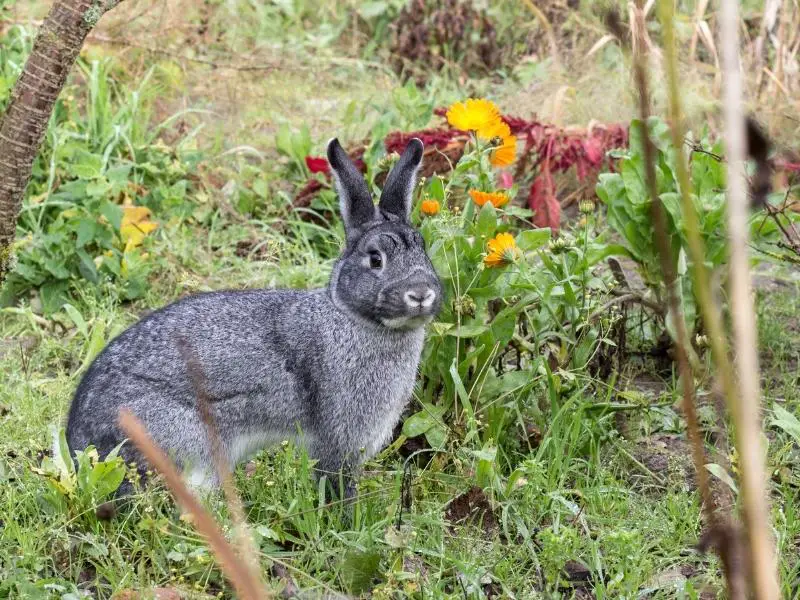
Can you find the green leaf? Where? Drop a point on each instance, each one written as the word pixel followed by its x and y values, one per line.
pixel 98 188
pixel 53 295
pixel 77 318
pixel 86 266
pixel 105 477
pixel 633 177
pixel 61 454
pixel 721 474
pixel 487 221
pixel 468 331
pixel 436 190
pixel 369 10
pixel 596 254
pixel 86 228
pixel 436 436
pixel 786 421
pixel 503 327
pixel 113 213
pixel 418 423
pixel 533 239
pixel 461 391
pixel 96 343
pixel 88 166
pixel 359 568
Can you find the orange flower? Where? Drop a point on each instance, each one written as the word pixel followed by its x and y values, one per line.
pixel 498 199
pixel 429 207
pixel 506 153
pixel 502 251
pixel 472 115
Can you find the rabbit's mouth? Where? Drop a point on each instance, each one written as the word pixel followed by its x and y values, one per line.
pixel 407 322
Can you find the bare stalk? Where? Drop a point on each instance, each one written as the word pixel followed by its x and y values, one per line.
pixel 748 425
pixel 247 550
pixel 239 575
pixel 682 344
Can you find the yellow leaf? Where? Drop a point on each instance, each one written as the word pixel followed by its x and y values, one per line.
pixel 135 225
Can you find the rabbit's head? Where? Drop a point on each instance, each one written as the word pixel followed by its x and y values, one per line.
pixel 384 275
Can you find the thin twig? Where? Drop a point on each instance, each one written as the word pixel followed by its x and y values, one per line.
pixel 748 399
pixel 236 571
pixel 247 549
pixel 682 343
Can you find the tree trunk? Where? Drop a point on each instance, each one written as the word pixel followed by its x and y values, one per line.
pixel 25 121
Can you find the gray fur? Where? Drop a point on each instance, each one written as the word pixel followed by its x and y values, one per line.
pixel 334 366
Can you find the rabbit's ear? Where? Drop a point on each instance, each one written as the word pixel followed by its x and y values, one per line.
pixel 396 196
pixel 354 197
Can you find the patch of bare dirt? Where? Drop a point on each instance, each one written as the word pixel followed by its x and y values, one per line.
pixel 472 507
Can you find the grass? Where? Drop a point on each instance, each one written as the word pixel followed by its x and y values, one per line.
pixel 598 504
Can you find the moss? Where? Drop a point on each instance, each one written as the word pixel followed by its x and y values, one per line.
pixel 93 14
pixel 6 260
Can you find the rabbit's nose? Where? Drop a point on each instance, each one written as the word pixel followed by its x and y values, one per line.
pixel 419 296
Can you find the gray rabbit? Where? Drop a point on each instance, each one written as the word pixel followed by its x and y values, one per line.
pixel 333 367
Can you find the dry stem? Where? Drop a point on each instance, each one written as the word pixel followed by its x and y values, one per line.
pixel 748 423
pixel 239 575
pixel 247 550
pixel 681 342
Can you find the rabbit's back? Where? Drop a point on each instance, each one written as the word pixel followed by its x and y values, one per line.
pixel 242 354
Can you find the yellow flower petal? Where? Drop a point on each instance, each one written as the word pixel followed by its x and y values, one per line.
pixel 493 129
pixel 473 114
pixel 502 250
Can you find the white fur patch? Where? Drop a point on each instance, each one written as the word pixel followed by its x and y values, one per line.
pixel 200 480
pixel 407 322
pixel 246 444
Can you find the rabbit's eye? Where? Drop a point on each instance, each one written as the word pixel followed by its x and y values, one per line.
pixel 375 260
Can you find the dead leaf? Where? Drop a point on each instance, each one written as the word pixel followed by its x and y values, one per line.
pixel 135 225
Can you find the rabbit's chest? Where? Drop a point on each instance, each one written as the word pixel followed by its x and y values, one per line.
pixel 377 388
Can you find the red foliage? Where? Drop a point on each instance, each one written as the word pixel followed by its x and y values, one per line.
pixel 547 150
pixel 307 193
pixel 439 138
pixel 318 164
pixel 562 148
pixel 543 202
pixel 506 180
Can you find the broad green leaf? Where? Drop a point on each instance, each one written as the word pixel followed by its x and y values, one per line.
pixel 418 423
pixel 86 266
pixel 436 190
pixel 785 420
pixel 86 228
pixel 113 213
pixel 436 436
pixel 533 239
pixel 487 221
pixel 467 331
pixel 369 10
